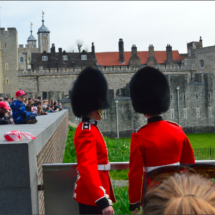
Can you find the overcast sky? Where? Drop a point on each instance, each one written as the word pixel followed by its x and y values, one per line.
pixel 104 22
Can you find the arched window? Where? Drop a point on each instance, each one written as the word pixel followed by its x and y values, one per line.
pixel 202 63
pixel 21 59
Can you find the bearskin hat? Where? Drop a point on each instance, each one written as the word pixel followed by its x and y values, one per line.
pixel 149 91
pixel 89 93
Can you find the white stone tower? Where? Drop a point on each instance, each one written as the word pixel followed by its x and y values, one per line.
pixel 43 37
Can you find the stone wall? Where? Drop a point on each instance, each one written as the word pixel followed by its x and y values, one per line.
pixel 52 152
pixel 196 106
pixel 20 162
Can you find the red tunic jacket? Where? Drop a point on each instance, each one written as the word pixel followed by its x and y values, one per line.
pixel 155 144
pixel 93 187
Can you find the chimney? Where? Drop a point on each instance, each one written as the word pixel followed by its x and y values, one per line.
pixel 151 50
pixel 60 55
pixel 93 50
pixel 53 51
pixel 169 54
pixel 121 51
pixel 134 50
pixel 151 59
pixel 200 40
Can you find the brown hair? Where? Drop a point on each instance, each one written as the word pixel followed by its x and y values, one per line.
pixel 39 110
pixel 30 102
pixel 28 108
pixel 184 193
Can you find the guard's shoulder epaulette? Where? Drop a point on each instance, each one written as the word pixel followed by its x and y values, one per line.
pixel 140 128
pixel 86 125
pixel 174 123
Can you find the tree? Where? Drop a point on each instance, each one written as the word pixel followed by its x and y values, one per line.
pixel 79 43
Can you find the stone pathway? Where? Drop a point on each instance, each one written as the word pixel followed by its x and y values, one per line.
pixel 119 183
pixel 72 124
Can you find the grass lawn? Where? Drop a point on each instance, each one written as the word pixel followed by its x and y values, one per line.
pixel 202 140
pixel 118 150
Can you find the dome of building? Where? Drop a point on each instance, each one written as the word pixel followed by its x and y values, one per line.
pixel 43 29
pixel 31 38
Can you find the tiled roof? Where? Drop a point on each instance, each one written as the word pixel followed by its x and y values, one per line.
pixel 112 58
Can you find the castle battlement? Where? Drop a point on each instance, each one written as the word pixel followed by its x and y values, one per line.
pixel 104 69
pixel 8 30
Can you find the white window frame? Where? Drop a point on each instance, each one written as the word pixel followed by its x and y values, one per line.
pixel 41 68
pixel 104 113
pixel 172 113
pixel 65 57
pixel 210 112
pixel 197 112
pixel 185 113
pixel 44 58
pixel 83 57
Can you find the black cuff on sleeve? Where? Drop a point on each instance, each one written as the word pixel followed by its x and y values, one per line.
pixel 132 207
pixel 102 203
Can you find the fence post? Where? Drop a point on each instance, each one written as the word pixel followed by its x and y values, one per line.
pixel 210 151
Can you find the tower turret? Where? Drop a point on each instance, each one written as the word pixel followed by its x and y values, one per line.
pixel 31 39
pixel 43 37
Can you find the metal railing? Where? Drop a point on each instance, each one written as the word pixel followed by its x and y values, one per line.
pixel 59 180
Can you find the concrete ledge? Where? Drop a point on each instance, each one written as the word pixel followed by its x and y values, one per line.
pixel 18 163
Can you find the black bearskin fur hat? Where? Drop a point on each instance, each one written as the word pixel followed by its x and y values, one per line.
pixel 149 91
pixel 89 93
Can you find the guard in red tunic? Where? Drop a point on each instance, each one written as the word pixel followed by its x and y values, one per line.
pixel 93 190
pixel 159 142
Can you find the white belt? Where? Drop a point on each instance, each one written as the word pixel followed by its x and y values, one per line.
pixel 105 167
pixel 150 168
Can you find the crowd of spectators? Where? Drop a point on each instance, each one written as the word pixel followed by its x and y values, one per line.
pixel 32 107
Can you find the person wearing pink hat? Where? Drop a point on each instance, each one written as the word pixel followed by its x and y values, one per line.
pixel 4 118
pixel 20 114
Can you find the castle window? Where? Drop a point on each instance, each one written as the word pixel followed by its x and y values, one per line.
pixel 172 113
pixel 112 68
pixel 202 63
pixel 128 67
pixel 44 58
pixel 41 68
pixel 65 57
pixel 83 57
pixel 171 97
pixel 210 111
pixel 197 112
pixel 209 95
pixel 5 45
pixel 105 68
pixel 120 68
pixel 47 41
pixel 197 96
pixel 185 113
pixel 21 59
pixel 6 66
pixel 7 81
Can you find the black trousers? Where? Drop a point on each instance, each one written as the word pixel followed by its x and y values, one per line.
pixel 88 209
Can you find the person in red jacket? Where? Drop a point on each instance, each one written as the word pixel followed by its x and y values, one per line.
pixel 159 142
pixel 93 190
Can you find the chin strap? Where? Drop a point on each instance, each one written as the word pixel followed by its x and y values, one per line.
pixel 100 112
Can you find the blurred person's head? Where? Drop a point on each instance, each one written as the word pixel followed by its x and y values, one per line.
pixel 28 108
pixel 39 110
pixel 4 109
pixel 183 193
pixel 6 99
pixel 1 99
pixel 30 102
